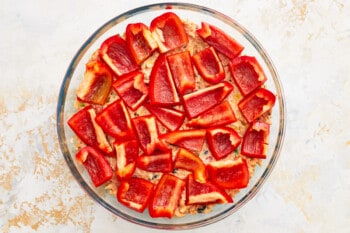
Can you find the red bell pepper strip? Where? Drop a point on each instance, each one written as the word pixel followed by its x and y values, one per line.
pixel 255 140
pixel 247 73
pixel 140 41
pixel 191 162
pixel 170 118
pixel 135 193
pixel 116 54
pixel 169 32
pixel 256 104
pixel 96 165
pixel 209 65
pixel 222 141
pixel 189 139
pixel 197 102
pixel 229 174
pixel 85 127
pixel 132 89
pixel 115 121
pixel 166 196
pixel 126 154
pixel 182 71
pixel 204 193
pixel 222 42
pixel 161 162
pixel 162 90
pixel 96 84
pixel 221 114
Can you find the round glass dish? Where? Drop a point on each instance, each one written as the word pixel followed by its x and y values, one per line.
pixel 74 75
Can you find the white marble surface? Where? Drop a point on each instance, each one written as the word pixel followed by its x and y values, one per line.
pixel 309 42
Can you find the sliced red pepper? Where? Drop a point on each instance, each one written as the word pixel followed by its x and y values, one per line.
pixel 170 118
pixel 162 90
pixel 182 71
pixel 247 73
pixel 197 102
pixel 169 32
pixel 209 65
pixel 229 174
pixel 156 163
pixel 96 165
pixel 115 121
pixel 166 196
pixel 135 193
pixel 189 139
pixel 191 162
pixel 222 42
pixel 221 114
pixel 255 140
pixel 126 154
pixel 256 104
pixel 116 54
pixel 222 141
pixel 140 41
pixel 132 89
pixel 84 126
pixel 204 193
pixel 96 84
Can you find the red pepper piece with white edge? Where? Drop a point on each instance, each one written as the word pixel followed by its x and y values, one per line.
pixel 192 140
pixel 126 155
pixel 204 193
pixel 229 174
pixel 182 71
pixel 209 65
pixel 255 140
pixel 159 162
pixel 256 104
pixel 132 89
pixel 135 193
pixel 222 141
pixel 115 52
pixel 140 41
pixel 115 121
pixel 221 41
pixel 96 165
pixel 166 196
pixel 247 74
pixel 162 90
pixel 169 32
pixel 221 114
pixel 187 160
pixel 198 102
pixel 85 127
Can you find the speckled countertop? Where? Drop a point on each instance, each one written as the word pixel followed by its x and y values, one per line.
pixel 309 42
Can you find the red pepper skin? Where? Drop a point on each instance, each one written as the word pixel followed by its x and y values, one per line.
pixel 140 41
pixel 96 165
pixel 247 73
pixel 204 193
pixel 116 54
pixel 169 32
pixel 156 163
pixel 135 193
pixel 85 127
pixel 166 196
pixel 162 90
pixel 191 162
pixel 126 154
pixel 115 121
pixel 222 42
pixel 182 71
pixel 256 104
pixel 192 140
pixel 221 114
pixel 198 102
pixel 97 83
pixel 255 140
pixel 222 141
pixel 132 89
pixel 229 174
pixel 209 65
